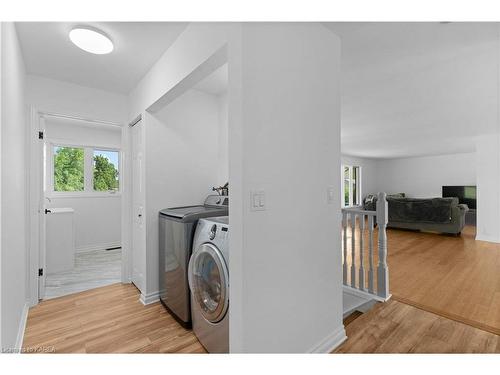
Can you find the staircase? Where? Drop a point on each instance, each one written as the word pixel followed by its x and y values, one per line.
pixel 365 272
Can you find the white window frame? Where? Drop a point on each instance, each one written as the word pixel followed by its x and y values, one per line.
pixel 88 171
pixel 358 185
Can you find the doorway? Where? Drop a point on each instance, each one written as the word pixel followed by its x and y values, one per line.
pixel 76 198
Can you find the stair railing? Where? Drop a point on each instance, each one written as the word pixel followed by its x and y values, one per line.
pixel 372 281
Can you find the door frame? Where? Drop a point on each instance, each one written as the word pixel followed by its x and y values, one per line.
pixel 128 212
pixel 36 202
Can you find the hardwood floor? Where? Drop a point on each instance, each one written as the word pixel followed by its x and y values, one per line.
pixel 394 327
pixel 109 319
pixel 456 277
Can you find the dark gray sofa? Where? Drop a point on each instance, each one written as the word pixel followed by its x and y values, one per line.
pixel 443 215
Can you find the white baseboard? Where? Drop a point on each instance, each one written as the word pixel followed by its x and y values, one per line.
pixel 330 342
pixel 482 237
pixel 147 299
pixel 22 326
pixel 364 295
pixel 102 246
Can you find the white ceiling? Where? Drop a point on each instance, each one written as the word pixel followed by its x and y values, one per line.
pixel 411 89
pixel 216 83
pixel 48 52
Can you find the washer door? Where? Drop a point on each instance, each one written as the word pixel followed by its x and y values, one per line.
pixel 209 282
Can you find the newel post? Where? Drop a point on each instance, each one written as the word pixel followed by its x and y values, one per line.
pixel 382 270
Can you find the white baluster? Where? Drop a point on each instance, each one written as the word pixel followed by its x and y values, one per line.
pixel 361 255
pixel 344 230
pixel 353 250
pixel 382 270
pixel 370 254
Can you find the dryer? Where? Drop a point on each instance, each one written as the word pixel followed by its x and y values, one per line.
pixel 209 284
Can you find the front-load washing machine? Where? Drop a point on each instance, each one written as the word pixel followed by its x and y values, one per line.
pixel 177 228
pixel 209 283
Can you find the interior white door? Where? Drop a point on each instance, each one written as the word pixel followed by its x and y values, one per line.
pixel 42 213
pixel 138 227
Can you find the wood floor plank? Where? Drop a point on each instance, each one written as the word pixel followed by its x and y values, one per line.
pixel 109 319
pixel 394 327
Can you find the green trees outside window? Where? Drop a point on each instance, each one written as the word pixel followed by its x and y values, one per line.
pixel 106 170
pixel 68 169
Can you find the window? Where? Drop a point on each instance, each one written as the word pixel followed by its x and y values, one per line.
pixel 351 188
pixel 68 169
pixel 82 170
pixel 106 170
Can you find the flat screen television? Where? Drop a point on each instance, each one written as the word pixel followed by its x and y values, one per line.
pixel 465 194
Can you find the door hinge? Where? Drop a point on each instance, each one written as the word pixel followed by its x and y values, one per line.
pixel 40 272
pixel 40 135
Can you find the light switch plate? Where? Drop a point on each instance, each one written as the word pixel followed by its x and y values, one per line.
pixel 257 200
pixel 330 195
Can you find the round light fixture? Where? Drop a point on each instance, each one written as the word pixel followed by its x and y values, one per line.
pixel 91 40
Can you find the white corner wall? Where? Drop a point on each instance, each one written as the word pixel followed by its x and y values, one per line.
pixel 97 218
pixel 182 154
pixel 284 138
pixel 423 177
pixel 488 188
pixel 13 191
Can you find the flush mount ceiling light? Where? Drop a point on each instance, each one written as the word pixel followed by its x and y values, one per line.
pixel 91 40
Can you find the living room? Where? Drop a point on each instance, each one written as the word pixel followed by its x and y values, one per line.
pixel 419 119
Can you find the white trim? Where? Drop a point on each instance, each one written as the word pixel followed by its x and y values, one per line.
pixel 482 237
pixel 22 327
pixel 126 206
pixel 102 246
pixel 365 295
pixel 80 118
pixel 83 194
pixel 147 299
pixel 330 342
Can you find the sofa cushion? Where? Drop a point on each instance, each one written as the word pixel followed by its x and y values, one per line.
pixel 432 210
pixel 370 201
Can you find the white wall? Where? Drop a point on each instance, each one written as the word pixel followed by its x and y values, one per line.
pixel 284 137
pixel 488 185
pixel 181 143
pixel 14 189
pixel 423 177
pixel 368 173
pixel 67 98
pixel 222 148
pixel 98 217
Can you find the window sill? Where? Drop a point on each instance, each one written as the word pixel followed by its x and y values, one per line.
pixel 83 195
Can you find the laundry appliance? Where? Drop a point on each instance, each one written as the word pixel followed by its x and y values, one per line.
pixel 209 283
pixel 177 227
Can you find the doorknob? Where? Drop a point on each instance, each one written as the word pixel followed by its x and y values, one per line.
pixel 140 215
pixel 47 211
